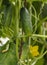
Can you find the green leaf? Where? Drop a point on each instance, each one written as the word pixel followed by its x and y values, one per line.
pixel 9 57
pixel 40 62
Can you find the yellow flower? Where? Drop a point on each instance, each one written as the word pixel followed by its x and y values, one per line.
pixel 34 50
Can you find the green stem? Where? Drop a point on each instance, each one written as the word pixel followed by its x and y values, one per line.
pixel 17 29
pixel 43 48
pixel 41 56
pixel 33 35
pixel 17 8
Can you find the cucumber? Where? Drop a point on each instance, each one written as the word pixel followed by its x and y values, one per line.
pixel 25 21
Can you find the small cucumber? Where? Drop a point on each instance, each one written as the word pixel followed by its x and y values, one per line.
pixel 26 21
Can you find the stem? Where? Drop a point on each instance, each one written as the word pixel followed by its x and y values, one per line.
pixel 17 29
pixel 43 48
pixel 33 35
pixel 17 8
pixel 42 55
pixel 35 19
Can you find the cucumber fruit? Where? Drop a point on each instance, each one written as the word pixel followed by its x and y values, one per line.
pixel 25 21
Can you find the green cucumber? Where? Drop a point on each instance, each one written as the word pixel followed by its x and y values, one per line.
pixel 25 21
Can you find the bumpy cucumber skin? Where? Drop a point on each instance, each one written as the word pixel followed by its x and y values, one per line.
pixel 25 21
